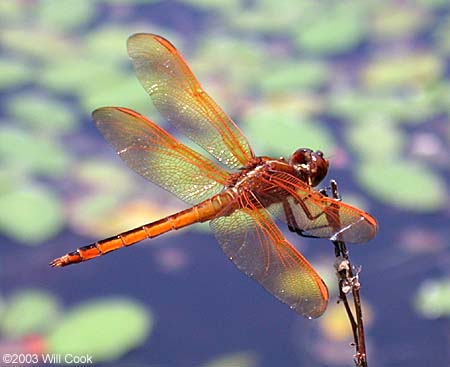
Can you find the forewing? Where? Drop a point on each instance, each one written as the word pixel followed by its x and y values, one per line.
pixel 157 156
pixel 321 216
pixel 179 97
pixel 254 243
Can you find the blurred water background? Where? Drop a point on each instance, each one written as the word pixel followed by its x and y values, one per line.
pixel 366 82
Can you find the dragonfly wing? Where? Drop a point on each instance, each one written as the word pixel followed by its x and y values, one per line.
pixel 156 155
pixel 180 98
pixel 321 216
pixel 250 238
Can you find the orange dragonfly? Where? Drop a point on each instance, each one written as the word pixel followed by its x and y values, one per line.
pixel 236 194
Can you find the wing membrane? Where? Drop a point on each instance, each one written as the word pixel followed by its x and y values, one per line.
pixel 179 97
pixel 321 216
pixel 254 243
pixel 157 156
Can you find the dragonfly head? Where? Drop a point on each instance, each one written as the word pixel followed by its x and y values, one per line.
pixel 310 165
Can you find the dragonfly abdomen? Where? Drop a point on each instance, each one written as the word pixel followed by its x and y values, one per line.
pixel 202 212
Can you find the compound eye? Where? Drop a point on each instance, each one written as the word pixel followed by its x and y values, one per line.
pixel 301 156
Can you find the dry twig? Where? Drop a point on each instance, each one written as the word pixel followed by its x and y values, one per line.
pixel 348 280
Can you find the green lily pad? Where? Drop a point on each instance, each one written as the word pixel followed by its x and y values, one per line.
pixel 105 329
pixel 73 76
pixel 14 72
pixel 222 5
pixel 39 44
pixel 216 57
pixel 105 176
pixel 91 214
pixel 22 151
pixel 241 359
pixel 255 16
pixel 7 181
pixel 11 11
pixel 277 132
pixel 433 298
pixel 407 185
pixel 412 108
pixel 432 3
pixel 376 137
pixel 403 71
pixel 294 77
pixel 64 15
pixel 441 36
pixel 108 44
pixel 28 312
pixel 124 91
pixel 400 20
pixel 42 113
pixel 130 2
pixel 30 214
pixel 344 27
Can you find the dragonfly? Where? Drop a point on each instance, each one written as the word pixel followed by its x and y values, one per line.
pixel 240 194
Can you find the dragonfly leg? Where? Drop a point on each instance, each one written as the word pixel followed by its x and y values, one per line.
pixel 333 190
pixel 292 223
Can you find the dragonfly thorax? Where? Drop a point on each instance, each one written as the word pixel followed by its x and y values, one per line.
pixel 310 166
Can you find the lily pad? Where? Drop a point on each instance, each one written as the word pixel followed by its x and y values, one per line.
pixel 255 16
pixel 28 312
pixel 64 15
pixel 404 184
pixel 344 27
pixel 14 72
pixel 441 36
pixel 377 138
pixel 105 176
pixel 216 58
pixel 91 214
pixel 398 20
pixel 119 90
pixel 433 298
pixel 130 2
pixel 30 214
pixel 241 359
pixel 39 44
pixel 403 71
pixel 42 113
pixel 432 3
pixel 21 151
pixel 104 329
pixel 409 108
pixel 7 182
pixel 74 76
pixel 11 11
pixel 223 5
pixel 294 77
pixel 108 44
pixel 279 132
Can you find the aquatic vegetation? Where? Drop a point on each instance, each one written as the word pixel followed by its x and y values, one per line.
pixel 366 82
pixel 30 213
pixel 105 329
pixel 282 122
pixel 27 312
pixel 241 359
pixel 61 120
pixel 433 298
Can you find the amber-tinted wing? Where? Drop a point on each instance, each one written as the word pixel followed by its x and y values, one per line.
pixel 180 98
pixel 320 216
pixel 250 238
pixel 156 155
